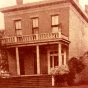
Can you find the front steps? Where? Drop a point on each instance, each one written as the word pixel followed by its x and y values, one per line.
pixel 26 82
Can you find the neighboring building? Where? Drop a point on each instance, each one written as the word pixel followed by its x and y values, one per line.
pixel 43 35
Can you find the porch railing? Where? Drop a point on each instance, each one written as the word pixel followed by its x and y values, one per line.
pixel 34 37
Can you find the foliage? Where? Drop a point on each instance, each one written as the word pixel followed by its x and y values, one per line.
pixel 75 66
pixel 3 55
pixel 59 70
pixel 60 74
pixel 3 60
pixel 61 80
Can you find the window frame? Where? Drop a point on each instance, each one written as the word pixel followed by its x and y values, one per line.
pixel 54 24
pixel 35 28
pixel 52 55
pixel 18 27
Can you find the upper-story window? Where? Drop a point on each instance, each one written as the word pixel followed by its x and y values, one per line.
pixel 18 27
pixel 35 25
pixel 55 23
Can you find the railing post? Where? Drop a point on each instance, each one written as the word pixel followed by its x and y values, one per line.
pixel 15 38
pixel 36 36
pixel 60 33
pixel 3 41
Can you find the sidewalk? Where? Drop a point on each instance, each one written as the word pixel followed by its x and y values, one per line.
pixel 80 86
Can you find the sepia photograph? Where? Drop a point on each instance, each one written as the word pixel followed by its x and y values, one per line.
pixel 43 44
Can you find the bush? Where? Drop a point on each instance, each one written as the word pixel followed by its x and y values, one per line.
pixel 3 55
pixel 75 66
pixel 4 61
pixel 60 74
pixel 59 70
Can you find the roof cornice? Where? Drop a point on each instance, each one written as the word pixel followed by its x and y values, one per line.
pixel 32 5
pixel 79 9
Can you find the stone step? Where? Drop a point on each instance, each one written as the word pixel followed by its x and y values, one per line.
pixel 26 82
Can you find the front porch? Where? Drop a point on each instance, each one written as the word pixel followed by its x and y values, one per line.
pixel 37 59
pixel 34 56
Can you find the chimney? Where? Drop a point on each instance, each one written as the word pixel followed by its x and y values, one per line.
pixel 19 2
pixel 86 9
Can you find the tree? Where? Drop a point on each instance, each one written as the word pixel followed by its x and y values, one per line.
pixel 3 55
pixel 75 66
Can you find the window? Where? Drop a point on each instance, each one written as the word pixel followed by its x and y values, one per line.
pixel 18 27
pixel 53 59
pixel 35 26
pixel 63 57
pixel 55 23
pixel 54 20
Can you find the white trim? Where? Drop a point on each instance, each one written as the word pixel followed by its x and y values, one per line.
pixel 48 57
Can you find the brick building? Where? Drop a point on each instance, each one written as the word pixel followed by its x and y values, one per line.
pixel 42 35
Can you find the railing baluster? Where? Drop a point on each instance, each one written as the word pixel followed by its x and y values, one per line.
pixel 28 38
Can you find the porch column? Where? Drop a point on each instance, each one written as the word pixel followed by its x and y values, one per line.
pixel 38 59
pixel 17 59
pixel 48 59
pixel 59 55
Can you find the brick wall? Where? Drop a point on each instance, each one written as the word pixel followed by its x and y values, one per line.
pixel 43 61
pixel 29 63
pixel 44 14
pixel 12 62
pixel 78 34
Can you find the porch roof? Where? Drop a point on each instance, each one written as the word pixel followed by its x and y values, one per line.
pixel 44 42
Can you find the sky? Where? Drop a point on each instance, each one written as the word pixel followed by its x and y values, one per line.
pixel 6 3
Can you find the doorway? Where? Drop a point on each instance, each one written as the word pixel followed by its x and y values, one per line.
pixel 53 59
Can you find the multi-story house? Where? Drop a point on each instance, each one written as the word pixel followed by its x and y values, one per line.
pixel 42 35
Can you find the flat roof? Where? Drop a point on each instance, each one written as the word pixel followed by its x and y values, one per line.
pixel 31 5
pixel 45 3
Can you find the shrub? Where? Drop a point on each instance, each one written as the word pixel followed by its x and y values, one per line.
pixel 4 61
pixel 3 55
pixel 59 70
pixel 60 74
pixel 75 66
